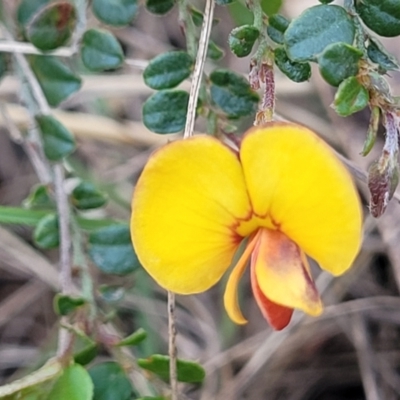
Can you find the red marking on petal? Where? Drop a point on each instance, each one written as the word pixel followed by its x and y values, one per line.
pixel 277 316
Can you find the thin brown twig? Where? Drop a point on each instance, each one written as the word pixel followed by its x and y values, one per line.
pixel 173 374
pixel 199 67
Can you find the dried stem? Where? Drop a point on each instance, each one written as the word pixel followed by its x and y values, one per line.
pixel 172 346
pixel 199 67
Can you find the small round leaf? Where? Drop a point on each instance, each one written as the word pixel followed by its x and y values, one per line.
pixel 271 7
pixel 73 384
pixel 52 26
pixel 350 97
pixel 316 28
pixel 277 25
pixel 378 54
pixel 232 93
pixel 110 382
pixel 241 40
pixel 382 16
pixel 133 339
pixel 159 7
pixel 168 70
pixel 110 248
pixel 46 235
pixel 58 141
pixel 39 198
pixel 115 12
pixel 297 72
pixel 188 371
pixel 56 79
pixel 64 305
pixel 165 111
pixel 85 196
pixel 214 52
pixel 338 61
pixel 101 50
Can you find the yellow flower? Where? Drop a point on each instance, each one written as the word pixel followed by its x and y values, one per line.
pixel 285 192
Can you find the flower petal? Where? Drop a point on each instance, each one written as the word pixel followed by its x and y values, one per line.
pixel 185 207
pixel 282 273
pixel 277 316
pixel 295 181
pixel 231 302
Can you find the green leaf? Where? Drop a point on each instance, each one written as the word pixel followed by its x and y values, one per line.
pixel 271 7
pixel 134 338
pixel 110 382
pixel 168 70
pixel 277 25
pixel 100 50
pixel 240 13
pixel 39 198
pixel 165 111
pixel 27 10
pixel 111 250
pixel 73 384
pixel 56 79
pixel 372 131
pixel 115 12
pixel 350 97
pixel 46 235
pixel 52 26
pixel 223 2
pixel 159 7
pixel 197 16
pixel 111 293
pixel 378 54
pixel 232 93
pixel 382 16
pixel 316 28
pixel 85 196
pixel 64 305
pixel 297 72
pixel 339 61
pixel 325 1
pixel 22 216
pixel 214 52
pixel 86 354
pixel 241 40
pixel 58 141
pixel 188 371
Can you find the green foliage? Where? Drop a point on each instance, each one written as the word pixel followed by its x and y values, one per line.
pixel 39 198
pixel 110 248
pixel 57 80
pixel 52 26
pixel 241 40
pixel 27 10
pixel 101 50
pixel 73 384
pixel 316 28
pixel 232 94
pixel 214 52
pixel 159 7
pixel 3 64
pixel 297 72
pixel 188 371
pixel 165 111
pixel 168 70
pixel 110 382
pixel 115 12
pixel 134 338
pixel 46 235
pixel 378 55
pixel 85 196
pixel 277 25
pixel 58 141
pixel 350 97
pixel 382 16
pixel 339 61
pixel 64 305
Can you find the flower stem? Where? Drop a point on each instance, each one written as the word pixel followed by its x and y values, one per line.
pixel 173 375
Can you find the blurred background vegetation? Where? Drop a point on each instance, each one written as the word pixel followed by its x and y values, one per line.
pixel 351 352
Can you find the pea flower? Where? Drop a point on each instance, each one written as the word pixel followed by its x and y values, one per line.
pixel 283 196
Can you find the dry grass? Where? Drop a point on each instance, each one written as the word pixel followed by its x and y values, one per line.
pixel 351 352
